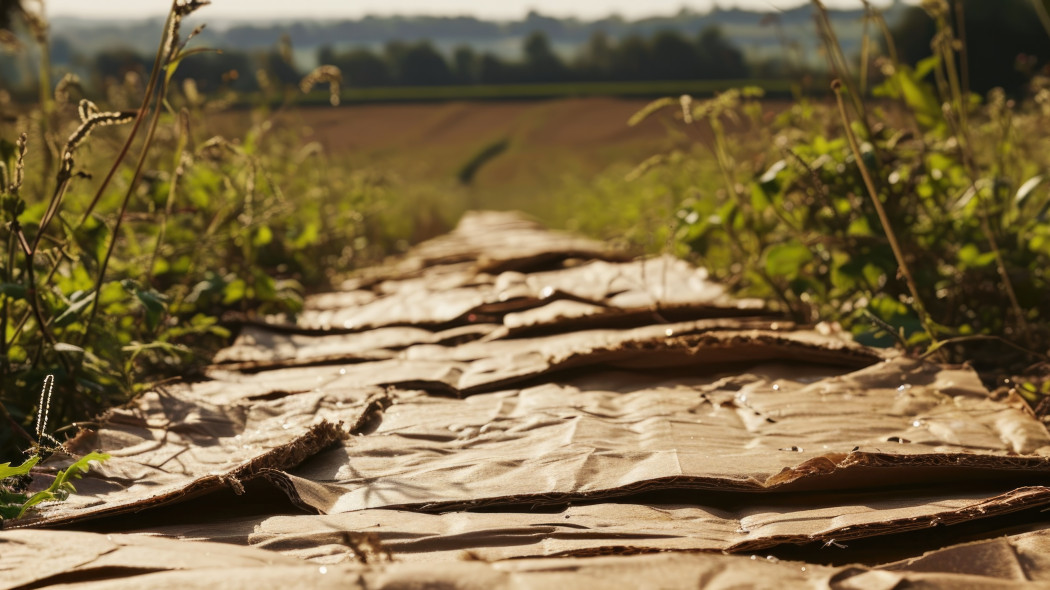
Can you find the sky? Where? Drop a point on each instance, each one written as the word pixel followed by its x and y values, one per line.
pixel 328 9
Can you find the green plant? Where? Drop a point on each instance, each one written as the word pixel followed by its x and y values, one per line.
pixel 116 281
pixel 14 501
pixel 921 219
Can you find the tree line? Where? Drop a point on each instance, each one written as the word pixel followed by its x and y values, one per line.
pixel 1006 44
pixel 667 55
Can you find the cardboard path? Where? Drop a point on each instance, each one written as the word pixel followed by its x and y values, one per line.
pixel 508 406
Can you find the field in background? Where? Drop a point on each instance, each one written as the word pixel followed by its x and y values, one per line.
pixel 552 153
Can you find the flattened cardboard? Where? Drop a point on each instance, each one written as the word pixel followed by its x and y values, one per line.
pixel 602 291
pixel 135 562
pixel 468 369
pixel 493 242
pixel 737 433
pixel 36 558
pixel 898 421
pixel 721 524
pixel 169 447
pixel 258 348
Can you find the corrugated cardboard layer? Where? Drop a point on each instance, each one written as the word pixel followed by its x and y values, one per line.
pixel 594 290
pixel 84 561
pixel 539 376
pixel 720 523
pixel 259 348
pixel 169 446
pixel 899 421
pixel 703 346
pixel 42 558
pixel 491 242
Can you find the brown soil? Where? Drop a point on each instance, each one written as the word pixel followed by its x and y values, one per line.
pixel 548 139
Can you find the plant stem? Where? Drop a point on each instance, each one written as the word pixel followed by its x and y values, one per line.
pixel 891 235
pixel 154 77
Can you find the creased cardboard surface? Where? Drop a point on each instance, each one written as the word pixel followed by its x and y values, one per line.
pixel 702 346
pixel 721 523
pixel 564 442
pixel 170 446
pixel 529 398
pixel 127 561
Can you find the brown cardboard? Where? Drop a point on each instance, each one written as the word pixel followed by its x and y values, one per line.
pixel 528 398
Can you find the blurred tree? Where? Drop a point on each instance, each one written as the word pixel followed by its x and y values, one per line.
pixel 211 71
pixel 115 63
pixel 421 64
pixel 541 63
pixel 720 59
pixel 595 61
pixel 360 67
pixel 493 70
pixel 465 64
pixel 1000 36
pixel 280 68
pixel 673 57
pixel 632 60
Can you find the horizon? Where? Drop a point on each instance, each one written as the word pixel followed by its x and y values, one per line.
pixel 268 10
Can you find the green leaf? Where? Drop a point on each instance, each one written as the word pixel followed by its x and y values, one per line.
pixel 78 303
pixel 308 236
pixel 7 471
pixel 786 260
pixel 13 290
pixel 265 286
pixel 12 206
pixel 155 305
pixel 919 95
pixel 62 487
pixel 1027 189
pixel 235 291
pixel 263 236
pixel 970 256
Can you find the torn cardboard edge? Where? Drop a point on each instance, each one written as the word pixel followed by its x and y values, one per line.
pixel 491 242
pixel 855 471
pixel 704 351
pixel 705 346
pixel 317 438
pixel 451 339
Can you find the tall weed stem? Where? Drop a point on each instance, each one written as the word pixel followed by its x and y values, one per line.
pixel 891 235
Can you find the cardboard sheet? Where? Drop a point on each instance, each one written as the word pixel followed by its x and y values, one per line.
pixel 259 348
pixel 170 447
pixel 505 404
pixel 491 242
pixel 720 523
pixel 84 561
pixel 602 291
pixel 551 443
pixel 703 346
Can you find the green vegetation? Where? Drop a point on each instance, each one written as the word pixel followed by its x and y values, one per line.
pixel 14 500
pixel 918 219
pixel 14 503
pixel 921 220
pixel 120 259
